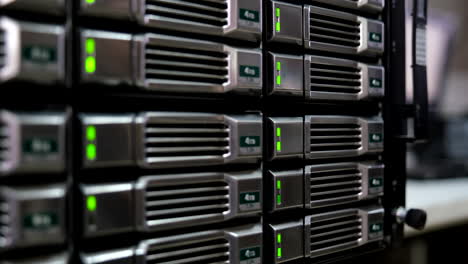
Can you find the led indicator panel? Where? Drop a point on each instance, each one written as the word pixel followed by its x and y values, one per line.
pixel 90 61
pixel 279 251
pixel 278 23
pixel 91 150
pixel 278 192
pixel 278 130
pixel 278 73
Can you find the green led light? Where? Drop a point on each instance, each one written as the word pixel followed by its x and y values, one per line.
pixel 91 151
pixel 90 46
pixel 278 131
pixel 91 133
pixel 279 253
pixel 278 199
pixel 278 238
pixel 278 26
pixel 91 203
pixel 90 1
pixel 278 12
pixel 278 146
pixel 278 66
pixel 278 184
pixel 278 80
pixel 90 64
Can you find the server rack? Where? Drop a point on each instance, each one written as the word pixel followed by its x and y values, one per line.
pixel 230 131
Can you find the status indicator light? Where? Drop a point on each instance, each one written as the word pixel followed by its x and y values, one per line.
pixel 91 152
pixel 278 238
pixel 279 253
pixel 90 1
pixel 278 80
pixel 278 146
pixel 278 66
pixel 278 12
pixel 90 64
pixel 278 199
pixel 90 46
pixel 91 203
pixel 278 131
pixel 91 133
pixel 278 184
pixel 278 26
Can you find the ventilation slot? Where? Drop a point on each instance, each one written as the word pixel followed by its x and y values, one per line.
pixel 187 200
pixel 335 79
pixel 334 30
pixel 4 223
pixel 335 137
pixel 2 49
pixel 335 185
pixel 4 145
pixel 209 251
pixel 185 66
pixel 339 232
pixel 176 141
pixel 204 12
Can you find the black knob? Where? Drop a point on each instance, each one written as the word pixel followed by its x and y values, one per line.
pixel 416 218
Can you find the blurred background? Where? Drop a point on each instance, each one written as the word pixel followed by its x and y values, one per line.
pixel 438 169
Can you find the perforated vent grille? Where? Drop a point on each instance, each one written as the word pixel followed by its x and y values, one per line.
pixel 335 137
pixel 334 185
pixel 176 141
pixel 334 29
pixel 208 251
pixel 186 200
pixel 333 78
pixel 185 66
pixel 342 231
pixel 4 223
pixel 205 12
pixel 4 144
